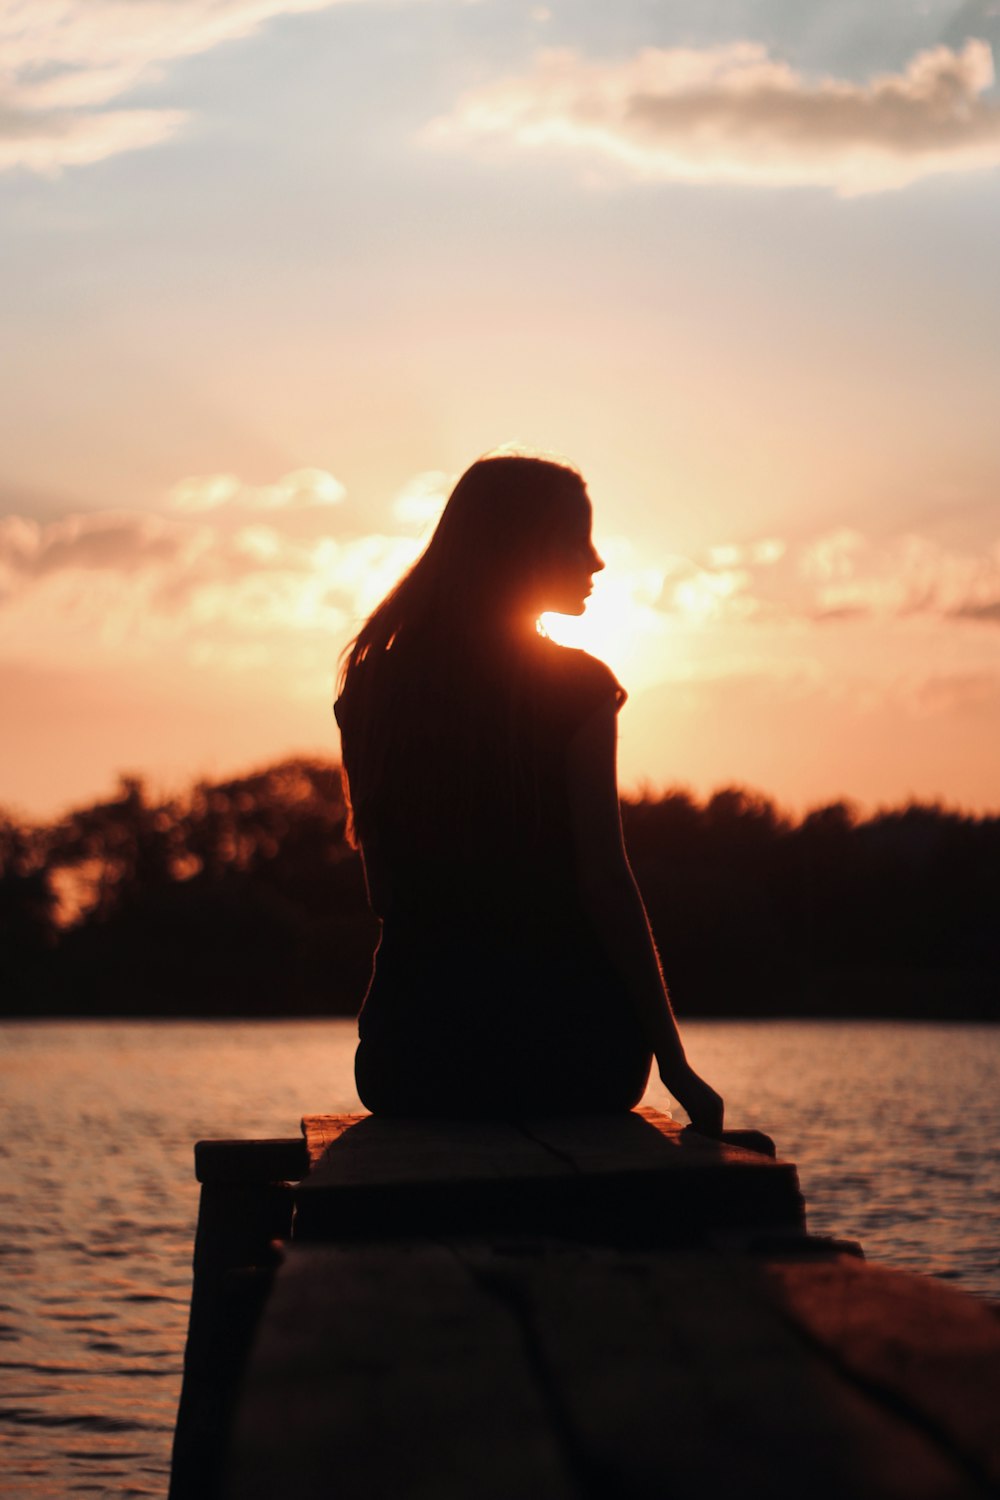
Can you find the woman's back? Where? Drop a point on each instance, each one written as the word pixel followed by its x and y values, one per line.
pixel 488 971
pixel 473 800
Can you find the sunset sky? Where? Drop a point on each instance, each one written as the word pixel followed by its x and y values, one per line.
pixel 272 274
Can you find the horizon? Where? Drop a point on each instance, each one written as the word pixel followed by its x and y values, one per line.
pixel 276 273
pixel 157 793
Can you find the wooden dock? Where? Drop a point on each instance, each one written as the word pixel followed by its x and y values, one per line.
pixel 626 1179
pixel 581 1309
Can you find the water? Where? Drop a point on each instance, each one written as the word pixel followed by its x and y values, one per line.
pixel 894 1128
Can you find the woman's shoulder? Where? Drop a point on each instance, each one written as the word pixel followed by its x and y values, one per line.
pixel 579 681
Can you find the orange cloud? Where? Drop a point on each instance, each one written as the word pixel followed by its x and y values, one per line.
pixel 838 575
pixel 301 489
pixel 734 114
pixel 898 577
pixel 119 540
pixel 207 582
pixel 420 503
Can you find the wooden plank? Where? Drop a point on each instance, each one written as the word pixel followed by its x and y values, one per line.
pixel 444 1373
pixel 263 1161
pixel 387 1374
pixel 928 1348
pixel 624 1179
pixel 641 1140
pixel 346 1150
pixel 672 1377
pixel 238 1224
pixel 428 1139
pixel 321 1131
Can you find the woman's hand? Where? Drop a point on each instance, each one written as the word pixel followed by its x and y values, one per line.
pixel 704 1106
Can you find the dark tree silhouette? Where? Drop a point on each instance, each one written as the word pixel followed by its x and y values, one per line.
pixel 243 897
pixel 27 906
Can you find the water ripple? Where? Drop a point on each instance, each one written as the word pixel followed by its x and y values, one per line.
pixel 893 1129
pixel 89 1422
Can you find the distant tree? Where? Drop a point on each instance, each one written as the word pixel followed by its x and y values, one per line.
pixel 243 897
pixel 27 903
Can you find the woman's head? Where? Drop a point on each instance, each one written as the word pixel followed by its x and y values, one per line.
pixel 447 652
pixel 513 541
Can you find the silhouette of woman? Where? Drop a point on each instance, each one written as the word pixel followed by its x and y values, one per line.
pixel 516 972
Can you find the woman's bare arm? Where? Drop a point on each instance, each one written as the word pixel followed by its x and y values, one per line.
pixel 614 905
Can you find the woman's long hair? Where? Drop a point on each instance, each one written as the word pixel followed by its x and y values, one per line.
pixel 437 682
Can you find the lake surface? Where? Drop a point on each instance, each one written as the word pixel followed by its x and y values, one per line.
pixel 894 1128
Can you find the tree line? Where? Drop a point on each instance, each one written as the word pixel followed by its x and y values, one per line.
pixel 243 898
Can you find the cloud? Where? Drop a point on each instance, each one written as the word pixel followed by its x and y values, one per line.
pixel 836 577
pixel 421 502
pixel 122 541
pixel 832 556
pixel 301 489
pixel 46 141
pixel 713 594
pixel 987 613
pixel 943 693
pixel 899 577
pixel 768 550
pixel 226 574
pixel 735 114
pixel 63 61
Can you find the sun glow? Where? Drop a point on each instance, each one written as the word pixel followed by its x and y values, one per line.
pixel 622 624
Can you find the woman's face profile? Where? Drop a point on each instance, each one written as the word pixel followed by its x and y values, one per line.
pixel 569 577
